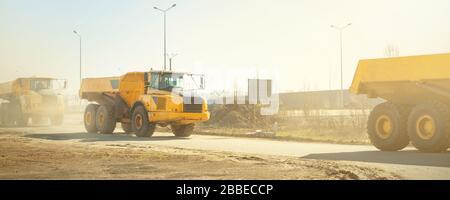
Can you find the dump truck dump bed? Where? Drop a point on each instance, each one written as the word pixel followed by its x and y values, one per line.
pixel 100 85
pixel 96 89
pixel 404 79
pixel 6 89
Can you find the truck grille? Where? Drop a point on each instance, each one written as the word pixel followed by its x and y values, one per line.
pixel 50 100
pixel 160 103
pixel 192 105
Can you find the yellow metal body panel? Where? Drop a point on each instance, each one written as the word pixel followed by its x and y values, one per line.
pixel 168 102
pixel 7 88
pixel 132 87
pixel 98 85
pixel 413 68
pixel 179 118
pixel 172 109
pixel 35 104
pixel 399 79
pixel 13 88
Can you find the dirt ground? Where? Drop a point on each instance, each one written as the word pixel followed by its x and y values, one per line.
pixel 300 135
pixel 32 158
pixel 307 125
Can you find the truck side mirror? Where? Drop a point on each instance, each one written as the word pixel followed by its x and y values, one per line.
pixel 202 82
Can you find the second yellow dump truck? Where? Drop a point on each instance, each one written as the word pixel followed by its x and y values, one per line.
pixel 417 90
pixel 142 100
pixel 34 98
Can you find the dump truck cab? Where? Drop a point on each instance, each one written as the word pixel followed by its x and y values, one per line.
pixel 142 100
pixel 37 98
pixel 417 107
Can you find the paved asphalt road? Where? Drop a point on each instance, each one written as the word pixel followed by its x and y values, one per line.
pixel 408 163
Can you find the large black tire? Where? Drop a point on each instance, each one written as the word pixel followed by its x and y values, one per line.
pixel 429 127
pixel 182 130
pixel 38 120
pixel 126 127
pixel 15 117
pixel 22 119
pixel 140 122
pixel 2 113
pixel 105 119
pixel 9 118
pixel 387 126
pixel 57 120
pixel 89 118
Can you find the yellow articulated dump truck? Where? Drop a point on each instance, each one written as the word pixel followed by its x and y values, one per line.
pixel 37 98
pixel 142 100
pixel 417 110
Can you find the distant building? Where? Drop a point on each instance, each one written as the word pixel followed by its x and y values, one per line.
pixel 313 100
pixel 324 100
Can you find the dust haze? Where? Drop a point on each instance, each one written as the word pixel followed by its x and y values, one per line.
pixel 359 89
pixel 289 36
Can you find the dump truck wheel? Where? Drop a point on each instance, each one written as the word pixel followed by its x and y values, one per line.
pixel 387 126
pixel 126 127
pixel 2 113
pixel 140 123
pixel 38 120
pixel 105 119
pixel 22 120
pixel 182 130
pixel 7 110
pixel 89 118
pixel 57 120
pixel 429 127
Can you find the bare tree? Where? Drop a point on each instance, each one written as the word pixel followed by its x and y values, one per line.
pixel 391 51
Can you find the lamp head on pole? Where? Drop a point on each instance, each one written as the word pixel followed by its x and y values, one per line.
pixel 156 8
pixel 341 27
pixel 76 33
pixel 349 24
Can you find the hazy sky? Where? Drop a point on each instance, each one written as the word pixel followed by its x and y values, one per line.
pixel 291 40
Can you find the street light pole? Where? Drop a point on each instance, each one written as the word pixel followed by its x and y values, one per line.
pixel 165 42
pixel 79 36
pixel 341 29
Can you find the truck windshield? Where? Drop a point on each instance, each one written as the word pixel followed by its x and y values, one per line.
pixel 46 84
pixel 43 84
pixel 171 81
pixel 194 82
pixel 176 81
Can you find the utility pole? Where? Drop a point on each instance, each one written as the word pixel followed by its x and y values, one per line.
pixel 341 29
pixel 165 43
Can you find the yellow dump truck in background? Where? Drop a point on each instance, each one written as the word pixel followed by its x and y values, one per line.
pixel 417 90
pixel 142 100
pixel 38 99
